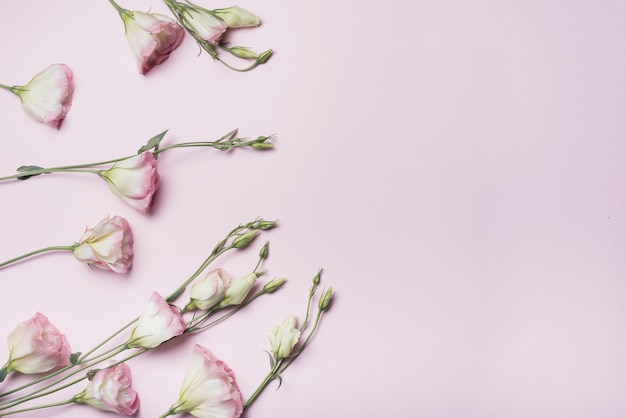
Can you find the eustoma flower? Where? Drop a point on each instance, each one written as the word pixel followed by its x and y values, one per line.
pixel 108 245
pixel 209 291
pixel 135 180
pixel 284 337
pixel 209 388
pixel 36 346
pixel 152 36
pixel 110 390
pixel 48 95
pixel 208 27
pixel 158 323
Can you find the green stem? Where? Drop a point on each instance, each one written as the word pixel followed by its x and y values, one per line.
pixel 9 88
pixel 119 9
pixel 34 408
pixel 83 357
pixel 41 250
pixel 67 169
pixel 268 379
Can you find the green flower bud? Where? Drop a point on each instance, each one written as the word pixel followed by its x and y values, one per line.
pixel 262 145
pixel 274 285
pixel 264 251
pixel 241 52
pixel 243 240
pixel 263 225
pixel 324 302
pixel 264 56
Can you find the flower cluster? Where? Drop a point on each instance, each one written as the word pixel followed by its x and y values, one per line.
pixel 153 36
pixel 209 386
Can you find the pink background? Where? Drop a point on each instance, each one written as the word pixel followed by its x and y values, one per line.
pixel 457 167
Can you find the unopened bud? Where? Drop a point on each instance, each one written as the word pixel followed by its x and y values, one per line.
pixel 262 145
pixel 264 56
pixel 324 302
pixel 243 240
pixel 316 279
pixel 241 52
pixel 264 225
pixel 274 285
pixel 264 251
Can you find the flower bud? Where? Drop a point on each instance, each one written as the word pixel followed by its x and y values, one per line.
pixel 243 240
pixel 242 52
pixel 316 279
pixel 236 17
pixel 238 290
pixel 324 302
pixel 274 285
pixel 264 56
pixel 264 225
pixel 262 145
pixel 264 251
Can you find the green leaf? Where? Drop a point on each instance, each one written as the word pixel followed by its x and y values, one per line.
pixel 3 373
pixel 153 143
pixel 26 168
pixel 74 357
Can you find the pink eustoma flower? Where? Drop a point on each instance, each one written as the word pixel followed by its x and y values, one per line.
pixel 37 346
pixel 205 26
pixel 48 95
pixel 152 37
pixel 135 180
pixel 108 245
pixel 209 291
pixel 110 390
pixel 158 323
pixel 209 388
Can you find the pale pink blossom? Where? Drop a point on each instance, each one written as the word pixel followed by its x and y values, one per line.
pixel 152 37
pixel 209 388
pixel 37 346
pixel 48 95
pixel 236 17
pixel 135 180
pixel 110 390
pixel 209 291
pixel 284 337
pixel 158 323
pixel 204 25
pixel 238 290
pixel 108 245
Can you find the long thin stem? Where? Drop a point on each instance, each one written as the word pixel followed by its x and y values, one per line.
pixel 268 379
pixel 39 251
pixel 34 408
pixel 5 87
pixel 117 6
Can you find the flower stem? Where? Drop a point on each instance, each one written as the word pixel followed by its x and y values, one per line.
pixel 39 251
pixel 9 88
pixel 117 7
pixel 268 379
pixel 34 408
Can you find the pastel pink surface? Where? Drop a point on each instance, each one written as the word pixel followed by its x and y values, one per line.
pixel 457 168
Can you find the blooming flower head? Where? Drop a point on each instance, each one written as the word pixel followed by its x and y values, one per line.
pixel 109 390
pixel 209 388
pixel 158 323
pixel 205 25
pixel 238 290
pixel 209 291
pixel 152 37
pixel 108 245
pixel 135 180
pixel 284 337
pixel 37 346
pixel 48 95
